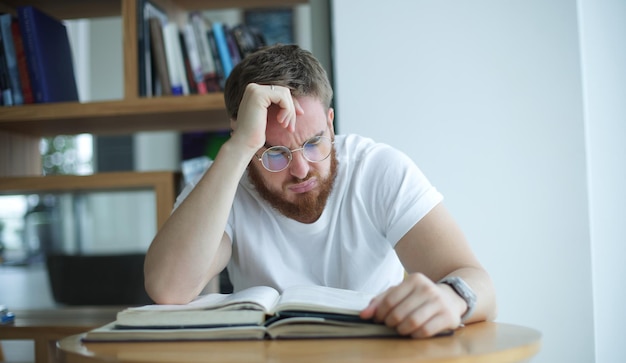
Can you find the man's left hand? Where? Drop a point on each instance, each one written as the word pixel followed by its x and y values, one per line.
pixel 418 307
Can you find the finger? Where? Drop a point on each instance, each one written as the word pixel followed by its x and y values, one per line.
pixel 286 117
pixel 298 107
pixel 370 310
pixel 428 319
pixel 289 108
pixel 282 97
pixel 402 312
pixel 299 111
pixel 438 324
pixel 413 320
pixel 389 300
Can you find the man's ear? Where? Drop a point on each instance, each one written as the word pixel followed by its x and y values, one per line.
pixel 233 125
pixel 330 117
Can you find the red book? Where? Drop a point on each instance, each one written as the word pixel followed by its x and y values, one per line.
pixel 22 67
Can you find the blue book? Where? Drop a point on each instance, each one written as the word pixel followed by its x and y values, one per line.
pixel 5 84
pixel 48 56
pixel 222 48
pixel 11 59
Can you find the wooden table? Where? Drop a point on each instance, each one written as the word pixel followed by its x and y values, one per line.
pixel 482 342
pixel 47 326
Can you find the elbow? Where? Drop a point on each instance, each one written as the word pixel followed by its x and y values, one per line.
pixel 491 308
pixel 166 296
pixel 161 288
pixel 493 313
pixel 166 292
pixel 158 296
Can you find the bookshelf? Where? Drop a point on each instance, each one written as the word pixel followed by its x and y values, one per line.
pixel 21 127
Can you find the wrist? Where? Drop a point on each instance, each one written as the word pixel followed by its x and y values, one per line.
pixel 237 151
pixel 457 304
pixel 464 292
pixel 241 145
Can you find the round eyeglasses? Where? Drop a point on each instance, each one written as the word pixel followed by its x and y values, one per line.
pixel 278 158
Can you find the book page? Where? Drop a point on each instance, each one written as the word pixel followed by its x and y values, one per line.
pixel 323 299
pixel 257 297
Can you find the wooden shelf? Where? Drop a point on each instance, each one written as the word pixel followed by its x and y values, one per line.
pixel 182 113
pixel 164 184
pixel 76 9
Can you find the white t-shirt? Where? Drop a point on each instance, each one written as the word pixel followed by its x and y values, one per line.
pixel 378 196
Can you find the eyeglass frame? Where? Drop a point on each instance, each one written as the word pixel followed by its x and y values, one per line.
pixel 260 158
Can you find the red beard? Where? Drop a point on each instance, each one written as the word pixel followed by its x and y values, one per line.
pixel 308 207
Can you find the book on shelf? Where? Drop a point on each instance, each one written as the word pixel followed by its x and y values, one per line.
pixel 5 83
pixel 147 73
pixel 10 58
pixel 162 85
pixel 22 66
pixel 255 313
pixel 48 56
pixel 189 74
pixel 219 70
pixel 193 57
pixel 222 48
pixel 248 39
pixel 233 48
pixel 201 27
pixel 175 63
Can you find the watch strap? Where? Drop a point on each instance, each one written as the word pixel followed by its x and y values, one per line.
pixel 464 291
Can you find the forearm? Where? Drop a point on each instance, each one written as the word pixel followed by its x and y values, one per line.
pixel 186 253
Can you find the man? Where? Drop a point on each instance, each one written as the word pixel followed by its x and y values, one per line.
pixel 287 202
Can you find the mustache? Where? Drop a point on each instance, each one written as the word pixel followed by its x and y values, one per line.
pixel 295 180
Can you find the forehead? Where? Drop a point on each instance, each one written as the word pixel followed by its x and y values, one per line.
pixel 309 124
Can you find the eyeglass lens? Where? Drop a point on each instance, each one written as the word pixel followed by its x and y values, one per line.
pixel 277 158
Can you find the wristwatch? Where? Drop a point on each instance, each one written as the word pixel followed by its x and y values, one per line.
pixel 464 291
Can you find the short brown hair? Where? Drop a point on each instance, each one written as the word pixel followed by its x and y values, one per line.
pixel 282 65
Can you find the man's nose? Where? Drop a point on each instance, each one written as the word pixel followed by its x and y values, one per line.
pixel 299 166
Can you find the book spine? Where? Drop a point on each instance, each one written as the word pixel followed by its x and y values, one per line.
pixel 11 59
pixel 222 48
pixel 174 63
pixel 27 24
pixel 188 72
pixel 248 40
pixel 146 10
pixel 22 66
pixel 194 58
pixel 219 78
pixel 159 58
pixel 204 51
pixel 145 86
pixel 49 56
pixel 242 39
pixel 5 87
pixel 233 49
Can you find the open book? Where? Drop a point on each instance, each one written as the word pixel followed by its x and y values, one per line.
pixel 253 313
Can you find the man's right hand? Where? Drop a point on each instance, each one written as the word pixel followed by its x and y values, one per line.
pixel 249 128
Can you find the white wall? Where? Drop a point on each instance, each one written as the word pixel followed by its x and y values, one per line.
pixel 603 28
pixel 487 97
